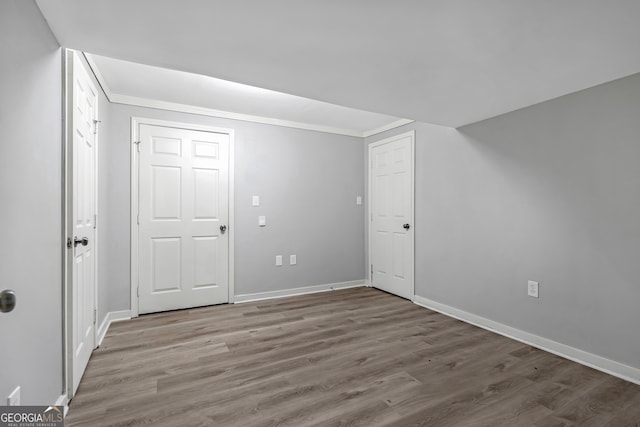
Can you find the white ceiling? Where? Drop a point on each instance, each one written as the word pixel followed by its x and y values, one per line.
pixel 138 84
pixel 449 62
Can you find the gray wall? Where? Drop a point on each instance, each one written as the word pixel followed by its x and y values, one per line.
pixel 31 191
pixel 548 193
pixel 307 182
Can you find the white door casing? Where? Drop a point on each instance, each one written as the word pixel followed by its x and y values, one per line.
pixel 391 219
pixel 182 228
pixel 81 208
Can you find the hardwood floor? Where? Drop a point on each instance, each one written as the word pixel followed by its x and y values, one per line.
pixel 345 358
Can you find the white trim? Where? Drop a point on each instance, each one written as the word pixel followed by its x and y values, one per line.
pixel 112 316
pixel 98 75
pixel 67 350
pixel 411 134
pixel 135 124
pixel 96 225
pixel 392 125
pixel 63 400
pixel 117 98
pixel 134 219
pixel 202 111
pixel 298 291
pixel 591 360
pixel 231 229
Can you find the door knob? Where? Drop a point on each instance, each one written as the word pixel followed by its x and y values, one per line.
pixel 84 241
pixel 223 228
pixel 406 226
pixel 7 300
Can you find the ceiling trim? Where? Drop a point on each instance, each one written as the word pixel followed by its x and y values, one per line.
pixel 117 98
pixel 98 75
pixel 202 111
pixel 392 125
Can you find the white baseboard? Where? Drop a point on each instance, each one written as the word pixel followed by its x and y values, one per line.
pixel 591 360
pixel 112 316
pixel 63 400
pixel 298 291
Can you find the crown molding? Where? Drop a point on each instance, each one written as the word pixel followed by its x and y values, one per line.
pixel 392 125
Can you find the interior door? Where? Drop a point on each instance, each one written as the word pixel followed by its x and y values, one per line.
pixel 183 245
pixel 391 215
pixel 83 215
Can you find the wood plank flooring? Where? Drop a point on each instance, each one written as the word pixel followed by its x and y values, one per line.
pixel 357 357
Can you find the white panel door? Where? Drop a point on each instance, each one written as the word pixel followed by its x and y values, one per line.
pixel 391 208
pixel 183 245
pixel 83 155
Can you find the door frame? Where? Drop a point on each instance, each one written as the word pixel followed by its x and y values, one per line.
pixel 411 134
pixel 135 125
pixel 68 58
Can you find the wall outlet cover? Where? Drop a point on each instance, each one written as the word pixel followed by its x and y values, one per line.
pixel 359 200
pixel 14 397
pixel 292 260
pixel 278 260
pixel 255 201
pixel 262 221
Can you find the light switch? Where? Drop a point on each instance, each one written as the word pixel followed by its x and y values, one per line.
pixel 359 200
pixel 255 201
pixel 278 260
pixel 532 289
pixel 292 260
pixel 262 221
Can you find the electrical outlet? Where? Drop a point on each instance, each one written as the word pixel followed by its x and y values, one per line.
pixel 292 260
pixel 278 260
pixel 255 201
pixel 14 397
pixel 359 200
pixel 532 289
pixel 262 221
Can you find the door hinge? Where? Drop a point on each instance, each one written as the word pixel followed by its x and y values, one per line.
pixel 137 145
pixel 95 316
pixel 371 272
pixel 95 221
pixel 69 243
pixel 95 126
pixel 138 219
pixel 138 292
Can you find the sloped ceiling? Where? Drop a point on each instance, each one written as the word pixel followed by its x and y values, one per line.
pixel 138 84
pixel 448 62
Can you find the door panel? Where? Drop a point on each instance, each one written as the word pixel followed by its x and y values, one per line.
pixel 205 249
pixel 183 201
pixel 391 204
pixel 206 184
pixel 166 189
pixel 166 256
pixel 83 155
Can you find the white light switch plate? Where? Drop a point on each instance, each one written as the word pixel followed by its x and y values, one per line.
pixel 532 289
pixel 262 221
pixel 255 201
pixel 278 260
pixel 292 260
